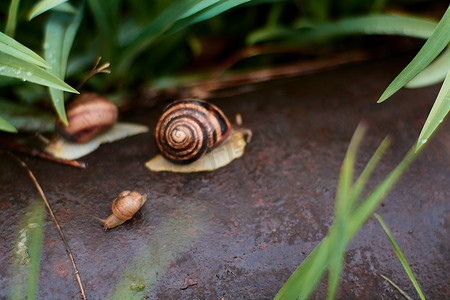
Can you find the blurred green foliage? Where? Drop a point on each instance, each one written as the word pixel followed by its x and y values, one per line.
pixel 146 41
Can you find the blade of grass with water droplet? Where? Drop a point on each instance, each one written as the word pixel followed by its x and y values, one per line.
pixel 13 67
pixel 401 257
pixel 43 6
pixel 440 109
pixel 11 47
pixel 60 33
pixel 5 126
pixel 438 40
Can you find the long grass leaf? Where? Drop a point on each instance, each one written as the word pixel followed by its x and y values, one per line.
pixel 5 126
pixel 25 270
pixel 400 256
pixel 376 24
pixel 43 6
pixel 360 183
pixel 438 40
pixel 59 36
pixel 14 67
pixel 433 73
pixel 11 22
pixel 11 47
pixel 440 109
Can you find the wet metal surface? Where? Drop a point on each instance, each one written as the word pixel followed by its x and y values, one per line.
pixel 239 232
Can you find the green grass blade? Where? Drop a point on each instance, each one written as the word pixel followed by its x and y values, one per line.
pixel 5 126
pixel 438 40
pixel 43 6
pixel 440 109
pixel 60 33
pixel 401 257
pixel 433 73
pixel 25 270
pixel 11 22
pixel 14 67
pixel 360 183
pixel 11 47
pixel 344 203
pixel 376 24
pixel 360 215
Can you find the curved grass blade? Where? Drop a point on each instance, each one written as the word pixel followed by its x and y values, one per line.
pixel 438 40
pixel 11 47
pixel 376 24
pixel 401 257
pixel 433 73
pixel 5 126
pixel 43 6
pixel 60 33
pixel 440 109
pixel 396 287
pixel 28 249
pixel 14 67
pixel 11 22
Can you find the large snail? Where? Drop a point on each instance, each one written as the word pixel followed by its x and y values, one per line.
pixel 88 115
pixel 189 128
pixel 124 207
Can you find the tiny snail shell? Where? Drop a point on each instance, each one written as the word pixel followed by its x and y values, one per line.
pixel 189 128
pixel 124 207
pixel 88 114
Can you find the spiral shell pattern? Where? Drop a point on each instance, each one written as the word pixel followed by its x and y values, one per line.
pixel 189 128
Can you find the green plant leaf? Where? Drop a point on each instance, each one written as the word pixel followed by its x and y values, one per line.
pixel 401 257
pixel 43 6
pixel 60 33
pixel 433 73
pixel 27 254
pixel 437 114
pixel 5 126
pixel 11 22
pixel 376 24
pixel 438 40
pixel 14 67
pixel 11 47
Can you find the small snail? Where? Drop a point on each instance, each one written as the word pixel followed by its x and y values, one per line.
pixel 124 207
pixel 88 114
pixel 189 128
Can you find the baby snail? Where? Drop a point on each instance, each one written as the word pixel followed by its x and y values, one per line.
pixel 88 114
pixel 124 207
pixel 189 128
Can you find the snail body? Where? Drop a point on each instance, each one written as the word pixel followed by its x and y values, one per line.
pixel 124 207
pixel 88 115
pixel 189 128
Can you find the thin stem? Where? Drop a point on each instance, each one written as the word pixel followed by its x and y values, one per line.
pixel 41 192
pixel 102 69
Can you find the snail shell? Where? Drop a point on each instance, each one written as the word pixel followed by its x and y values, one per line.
pixel 124 207
pixel 189 128
pixel 88 114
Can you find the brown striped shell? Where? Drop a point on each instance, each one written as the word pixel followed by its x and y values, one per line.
pixel 189 128
pixel 88 114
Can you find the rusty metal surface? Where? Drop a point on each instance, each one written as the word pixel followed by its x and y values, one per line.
pixel 239 232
